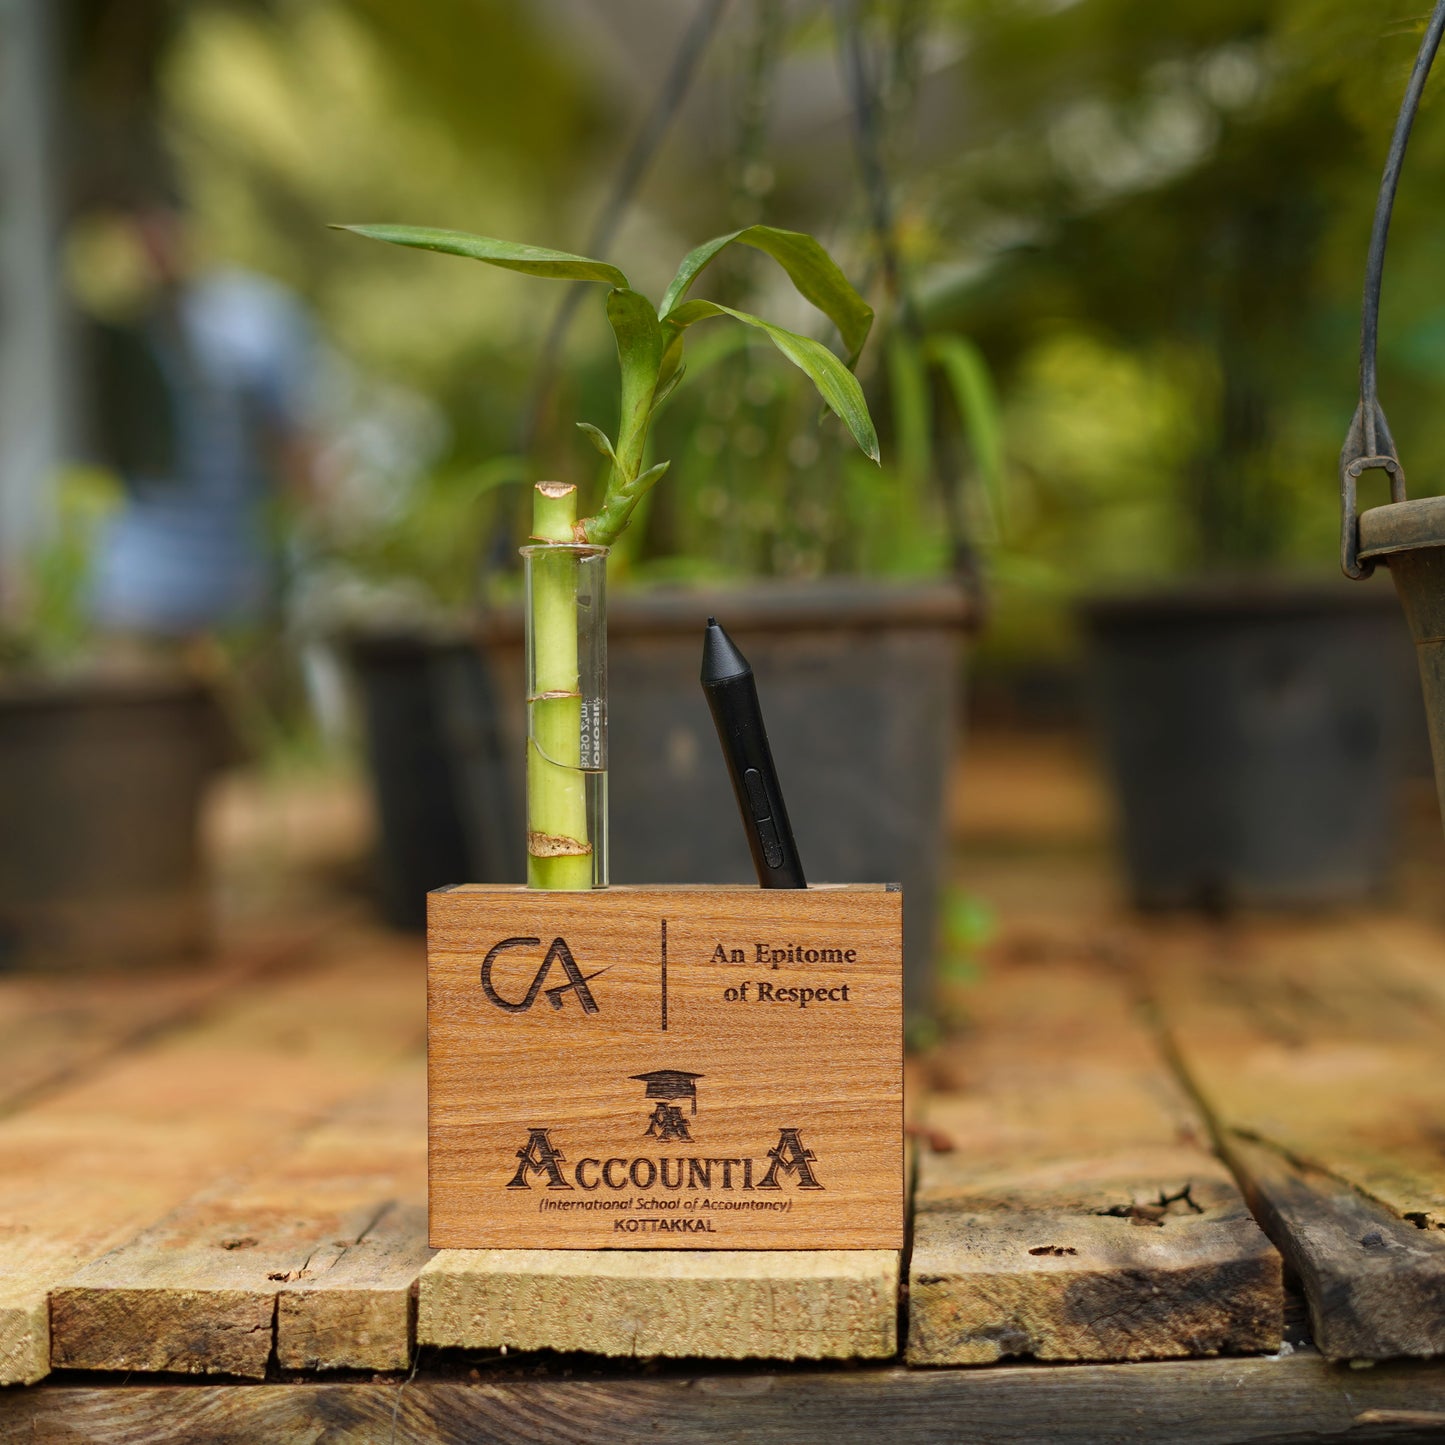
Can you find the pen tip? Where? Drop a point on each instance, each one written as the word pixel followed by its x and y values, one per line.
pixel 720 656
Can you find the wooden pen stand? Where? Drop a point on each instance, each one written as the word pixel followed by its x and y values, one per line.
pixel 665 1068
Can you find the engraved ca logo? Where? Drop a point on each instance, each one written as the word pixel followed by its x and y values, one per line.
pixel 575 983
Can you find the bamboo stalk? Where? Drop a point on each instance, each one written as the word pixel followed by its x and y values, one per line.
pixel 559 851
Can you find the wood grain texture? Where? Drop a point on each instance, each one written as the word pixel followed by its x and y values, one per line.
pixel 360 1313
pixel 784 1305
pixel 54 1028
pixel 1326 1041
pixel 315 1252
pixel 1066 1206
pixel 1375 1284
pixel 88 1167
pixel 1317 1051
pixel 775 1016
pixel 1206 1402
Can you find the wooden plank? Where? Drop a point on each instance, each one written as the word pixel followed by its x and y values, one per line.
pixel 1324 1040
pixel 55 1027
pixel 1066 1206
pixel 731 1305
pixel 1317 1050
pixel 360 1312
pixel 689 1067
pixel 190 1294
pixel 1375 1284
pixel 334 1227
pixel 88 1167
pixel 1206 1402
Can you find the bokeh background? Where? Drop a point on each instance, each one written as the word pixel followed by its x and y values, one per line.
pixel 1138 230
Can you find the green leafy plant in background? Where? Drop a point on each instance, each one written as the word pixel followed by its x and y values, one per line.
pixel 51 623
pixel 969 385
pixel 969 926
pixel 650 341
pixel 924 370
pixel 426 548
pixel 758 491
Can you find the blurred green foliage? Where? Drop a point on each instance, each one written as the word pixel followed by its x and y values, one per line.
pixel 1189 188
pixel 1150 220
pixel 53 604
pixel 968 925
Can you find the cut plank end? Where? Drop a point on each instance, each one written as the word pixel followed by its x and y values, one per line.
pixel 747 1304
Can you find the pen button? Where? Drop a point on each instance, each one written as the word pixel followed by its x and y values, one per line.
pixel 772 844
pixel 757 795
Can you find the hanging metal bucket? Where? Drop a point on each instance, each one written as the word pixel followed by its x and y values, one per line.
pixel 1407 536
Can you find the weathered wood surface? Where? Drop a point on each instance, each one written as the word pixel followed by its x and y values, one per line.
pixel 690 1067
pixel 57 1026
pixel 1206 1402
pixel 94 1163
pixel 168 1122
pixel 730 1305
pixel 1067 1205
pixel 1375 1283
pixel 1320 1055
pixel 361 1313
pixel 314 1252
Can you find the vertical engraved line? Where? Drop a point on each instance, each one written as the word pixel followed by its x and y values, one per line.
pixel 664 975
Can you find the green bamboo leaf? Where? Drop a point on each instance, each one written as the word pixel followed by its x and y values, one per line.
pixel 810 268
pixel 599 439
pixel 671 353
pixel 972 389
pixel 511 255
pixel 641 343
pixel 836 384
pixel 650 478
pixel 619 504
pixel 666 388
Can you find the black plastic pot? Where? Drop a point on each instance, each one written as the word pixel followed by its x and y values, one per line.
pixel 447 806
pixel 101 786
pixel 1255 738
pixel 860 683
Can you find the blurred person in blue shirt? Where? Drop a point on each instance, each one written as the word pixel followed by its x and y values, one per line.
pixel 200 399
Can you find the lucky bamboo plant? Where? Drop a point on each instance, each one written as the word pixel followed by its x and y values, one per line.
pixel 563 842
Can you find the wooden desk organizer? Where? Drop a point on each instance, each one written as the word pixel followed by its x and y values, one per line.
pixel 665 1068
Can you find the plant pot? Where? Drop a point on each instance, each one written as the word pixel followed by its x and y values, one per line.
pixel 447 805
pixel 1409 538
pixel 101 786
pixel 1254 736
pixel 860 685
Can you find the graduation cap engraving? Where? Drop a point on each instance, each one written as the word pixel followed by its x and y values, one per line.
pixel 664 1085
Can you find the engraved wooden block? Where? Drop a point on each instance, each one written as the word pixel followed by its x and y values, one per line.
pixel 665 1068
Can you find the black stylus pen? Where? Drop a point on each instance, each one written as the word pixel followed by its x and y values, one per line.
pixel 731 694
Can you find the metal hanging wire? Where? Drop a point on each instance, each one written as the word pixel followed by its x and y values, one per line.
pixel 1369 446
